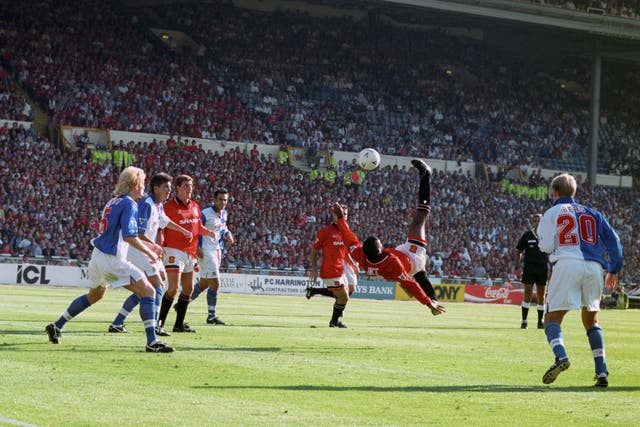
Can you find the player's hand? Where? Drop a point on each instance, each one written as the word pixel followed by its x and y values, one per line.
pixel 188 235
pixel 229 238
pixel 611 280
pixel 436 308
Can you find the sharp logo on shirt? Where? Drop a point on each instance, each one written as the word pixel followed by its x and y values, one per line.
pixel 188 221
pixel 338 243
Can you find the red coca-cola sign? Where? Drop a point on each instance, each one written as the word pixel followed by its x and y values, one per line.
pixel 493 294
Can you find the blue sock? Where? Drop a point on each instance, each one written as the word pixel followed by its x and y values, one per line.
pixel 147 314
pixel 159 293
pixel 196 291
pixel 76 307
pixel 555 339
pixel 127 307
pixel 212 301
pixel 596 341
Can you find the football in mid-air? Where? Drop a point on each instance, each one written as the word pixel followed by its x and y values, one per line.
pixel 369 159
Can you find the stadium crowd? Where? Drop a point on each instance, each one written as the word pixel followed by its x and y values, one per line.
pixel 12 105
pixel 440 97
pixel 258 84
pixel 49 208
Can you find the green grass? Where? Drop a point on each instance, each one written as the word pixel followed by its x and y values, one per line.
pixel 279 364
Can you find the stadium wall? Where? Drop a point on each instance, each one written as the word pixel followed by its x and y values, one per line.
pixel 445 165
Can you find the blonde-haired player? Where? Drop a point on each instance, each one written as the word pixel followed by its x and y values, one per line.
pixel 109 266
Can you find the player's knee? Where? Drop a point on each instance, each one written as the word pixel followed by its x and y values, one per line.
pixel 96 294
pixel 342 298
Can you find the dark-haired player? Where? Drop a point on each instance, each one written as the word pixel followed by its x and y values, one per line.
pixel 180 257
pixel 215 219
pixel 404 263
pixel 336 270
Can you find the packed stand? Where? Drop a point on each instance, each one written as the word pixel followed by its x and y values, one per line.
pixel 12 105
pixel 359 89
pixel 441 97
pixel 112 76
pixel 274 215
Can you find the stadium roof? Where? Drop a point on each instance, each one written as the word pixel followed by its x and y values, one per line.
pixel 544 32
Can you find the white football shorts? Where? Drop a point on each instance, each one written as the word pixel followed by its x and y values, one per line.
pixel 574 284
pixel 110 270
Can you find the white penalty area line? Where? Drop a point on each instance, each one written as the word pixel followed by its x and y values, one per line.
pixel 4 420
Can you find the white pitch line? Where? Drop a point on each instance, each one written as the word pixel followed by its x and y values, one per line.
pixel 14 422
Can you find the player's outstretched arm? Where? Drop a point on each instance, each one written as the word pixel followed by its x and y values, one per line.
pixel 349 237
pixel 413 288
pixel 171 225
pixel 204 231
pixel 152 250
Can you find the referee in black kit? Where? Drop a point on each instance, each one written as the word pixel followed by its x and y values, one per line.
pixel 535 271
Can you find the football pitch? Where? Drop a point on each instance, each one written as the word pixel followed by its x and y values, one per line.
pixel 278 363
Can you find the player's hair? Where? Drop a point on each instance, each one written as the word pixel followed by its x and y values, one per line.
pixel 159 179
pixel 370 248
pixel 534 216
pixel 181 179
pixel 129 178
pixel 221 190
pixel 565 185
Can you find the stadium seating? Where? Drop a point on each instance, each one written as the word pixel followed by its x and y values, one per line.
pixel 439 98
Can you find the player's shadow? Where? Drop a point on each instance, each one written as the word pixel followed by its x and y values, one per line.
pixel 483 388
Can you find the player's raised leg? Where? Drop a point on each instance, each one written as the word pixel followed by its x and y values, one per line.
pixel 418 227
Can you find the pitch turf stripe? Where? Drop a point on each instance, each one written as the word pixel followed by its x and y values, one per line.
pixel 15 422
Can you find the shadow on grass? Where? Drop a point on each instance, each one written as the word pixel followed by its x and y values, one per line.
pixel 484 388
pixel 238 349
pixel 75 348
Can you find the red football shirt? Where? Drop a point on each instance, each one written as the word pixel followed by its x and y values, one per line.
pixel 329 241
pixel 187 216
pixel 393 267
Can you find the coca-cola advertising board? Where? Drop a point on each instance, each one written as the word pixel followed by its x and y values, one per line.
pixel 493 294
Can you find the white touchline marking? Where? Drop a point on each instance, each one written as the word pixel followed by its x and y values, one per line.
pixel 14 422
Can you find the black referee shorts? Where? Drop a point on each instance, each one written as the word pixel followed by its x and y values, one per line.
pixel 535 274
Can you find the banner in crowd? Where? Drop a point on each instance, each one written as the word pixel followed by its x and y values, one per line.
pixel 493 294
